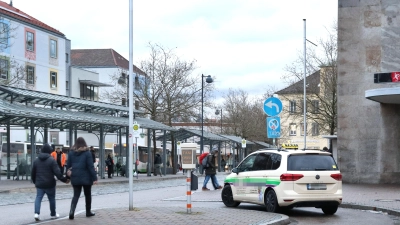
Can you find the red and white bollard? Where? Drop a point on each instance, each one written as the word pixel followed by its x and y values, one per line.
pixel 188 192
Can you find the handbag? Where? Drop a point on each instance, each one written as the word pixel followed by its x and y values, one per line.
pixel 69 172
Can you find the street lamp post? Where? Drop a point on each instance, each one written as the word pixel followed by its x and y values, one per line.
pixel 217 113
pixel 208 80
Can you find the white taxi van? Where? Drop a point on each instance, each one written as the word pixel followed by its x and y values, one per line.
pixel 281 178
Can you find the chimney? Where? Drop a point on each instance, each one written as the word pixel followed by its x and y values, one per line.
pixel 11 3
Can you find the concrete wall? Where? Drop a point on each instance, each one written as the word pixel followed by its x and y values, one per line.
pixel 368 132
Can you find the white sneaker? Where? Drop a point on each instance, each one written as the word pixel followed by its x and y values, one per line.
pixel 56 216
pixel 37 218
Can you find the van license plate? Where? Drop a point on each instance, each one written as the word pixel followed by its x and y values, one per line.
pixel 316 186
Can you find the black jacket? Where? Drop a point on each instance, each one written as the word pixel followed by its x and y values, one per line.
pixel 81 161
pixel 157 159
pixel 211 169
pixel 43 171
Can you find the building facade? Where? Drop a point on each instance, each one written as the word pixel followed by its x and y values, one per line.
pixel 33 55
pixel 368 134
pixel 292 115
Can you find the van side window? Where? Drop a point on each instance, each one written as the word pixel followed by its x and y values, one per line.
pixel 275 161
pixel 247 164
pixel 261 161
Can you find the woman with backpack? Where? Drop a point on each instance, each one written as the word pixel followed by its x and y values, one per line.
pixel 210 171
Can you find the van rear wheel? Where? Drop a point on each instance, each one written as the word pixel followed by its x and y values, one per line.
pixel 329 210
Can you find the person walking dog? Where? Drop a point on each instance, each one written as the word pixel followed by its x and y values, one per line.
pixel 43 171
pixel 80 163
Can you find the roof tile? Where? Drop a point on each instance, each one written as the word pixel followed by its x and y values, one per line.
pixel 100 58
pixel 17 14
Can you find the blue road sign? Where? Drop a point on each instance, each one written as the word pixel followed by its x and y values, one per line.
pixel 274 127
pixel 272 106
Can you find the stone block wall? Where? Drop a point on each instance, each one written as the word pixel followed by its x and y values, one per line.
pixel 368 131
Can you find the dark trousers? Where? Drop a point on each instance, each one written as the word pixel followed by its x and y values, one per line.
pixel 110 170
pixel 87 190
pixel 61 169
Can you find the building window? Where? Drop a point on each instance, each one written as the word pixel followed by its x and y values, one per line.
pixel 302 129
pixel 53 48
pixel 53 79
pixel 66 57
pixel 66 85
pixel 30 41
pixel 137 105
pixel 292 129
pixel 88 92
pixel 315 106
pixel 4 69
pixel 315 129
pixel 292 106
pixel 3 33
pixel 30 74
pixel 136 82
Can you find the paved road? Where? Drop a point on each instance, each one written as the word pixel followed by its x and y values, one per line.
pixel 379 198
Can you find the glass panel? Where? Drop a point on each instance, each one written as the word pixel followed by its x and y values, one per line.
pixel 53 48
pixel 29 41
pixel 4 69
pixel 311 162
pixel 247 163
pixel 30 75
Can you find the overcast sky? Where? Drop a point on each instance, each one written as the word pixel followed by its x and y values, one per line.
pixel 242 43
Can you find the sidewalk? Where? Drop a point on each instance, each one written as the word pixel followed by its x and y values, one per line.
pixel 379 197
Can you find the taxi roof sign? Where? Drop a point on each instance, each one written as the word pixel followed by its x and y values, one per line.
pixel 290 146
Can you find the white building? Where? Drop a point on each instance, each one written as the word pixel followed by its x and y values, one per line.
pixel 108 65
pixel 38 51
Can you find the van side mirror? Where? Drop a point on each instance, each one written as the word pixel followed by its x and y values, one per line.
pixel 235 170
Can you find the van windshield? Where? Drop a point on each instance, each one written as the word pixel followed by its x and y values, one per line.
pixel 311 162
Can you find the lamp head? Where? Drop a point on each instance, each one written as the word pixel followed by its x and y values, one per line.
pixel 209 79
pixel 217 112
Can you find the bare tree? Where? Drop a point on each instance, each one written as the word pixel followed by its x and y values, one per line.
pixel 167 92
pixel 244 115
pixel 15 74
pixel 321 84
pixel 12 73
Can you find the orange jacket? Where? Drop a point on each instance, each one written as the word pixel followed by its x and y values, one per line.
pixel 63 158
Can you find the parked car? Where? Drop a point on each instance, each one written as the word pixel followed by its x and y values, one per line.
pixel 281 178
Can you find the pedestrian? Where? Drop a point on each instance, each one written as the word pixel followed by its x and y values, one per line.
pixel 43 171
pixel 83 175
pixel 210 172
pixel 93 153
pixel 110 165
pixel 157 163
pixel 229 162
pixel 60 158
pixel 223 164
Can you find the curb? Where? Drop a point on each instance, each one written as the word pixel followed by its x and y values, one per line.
pixel 153 178
pixel 284 220
pixel 372 208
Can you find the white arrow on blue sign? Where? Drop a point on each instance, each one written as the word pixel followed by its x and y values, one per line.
pixel 272 106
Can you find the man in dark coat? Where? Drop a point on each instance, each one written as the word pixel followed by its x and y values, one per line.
pixel 210 172
pixel 157 164
pixel 43 171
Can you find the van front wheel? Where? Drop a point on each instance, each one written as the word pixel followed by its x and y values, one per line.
pixel 271 202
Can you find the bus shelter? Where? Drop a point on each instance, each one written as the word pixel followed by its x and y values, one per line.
pixel 184 135
pixel 34 109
